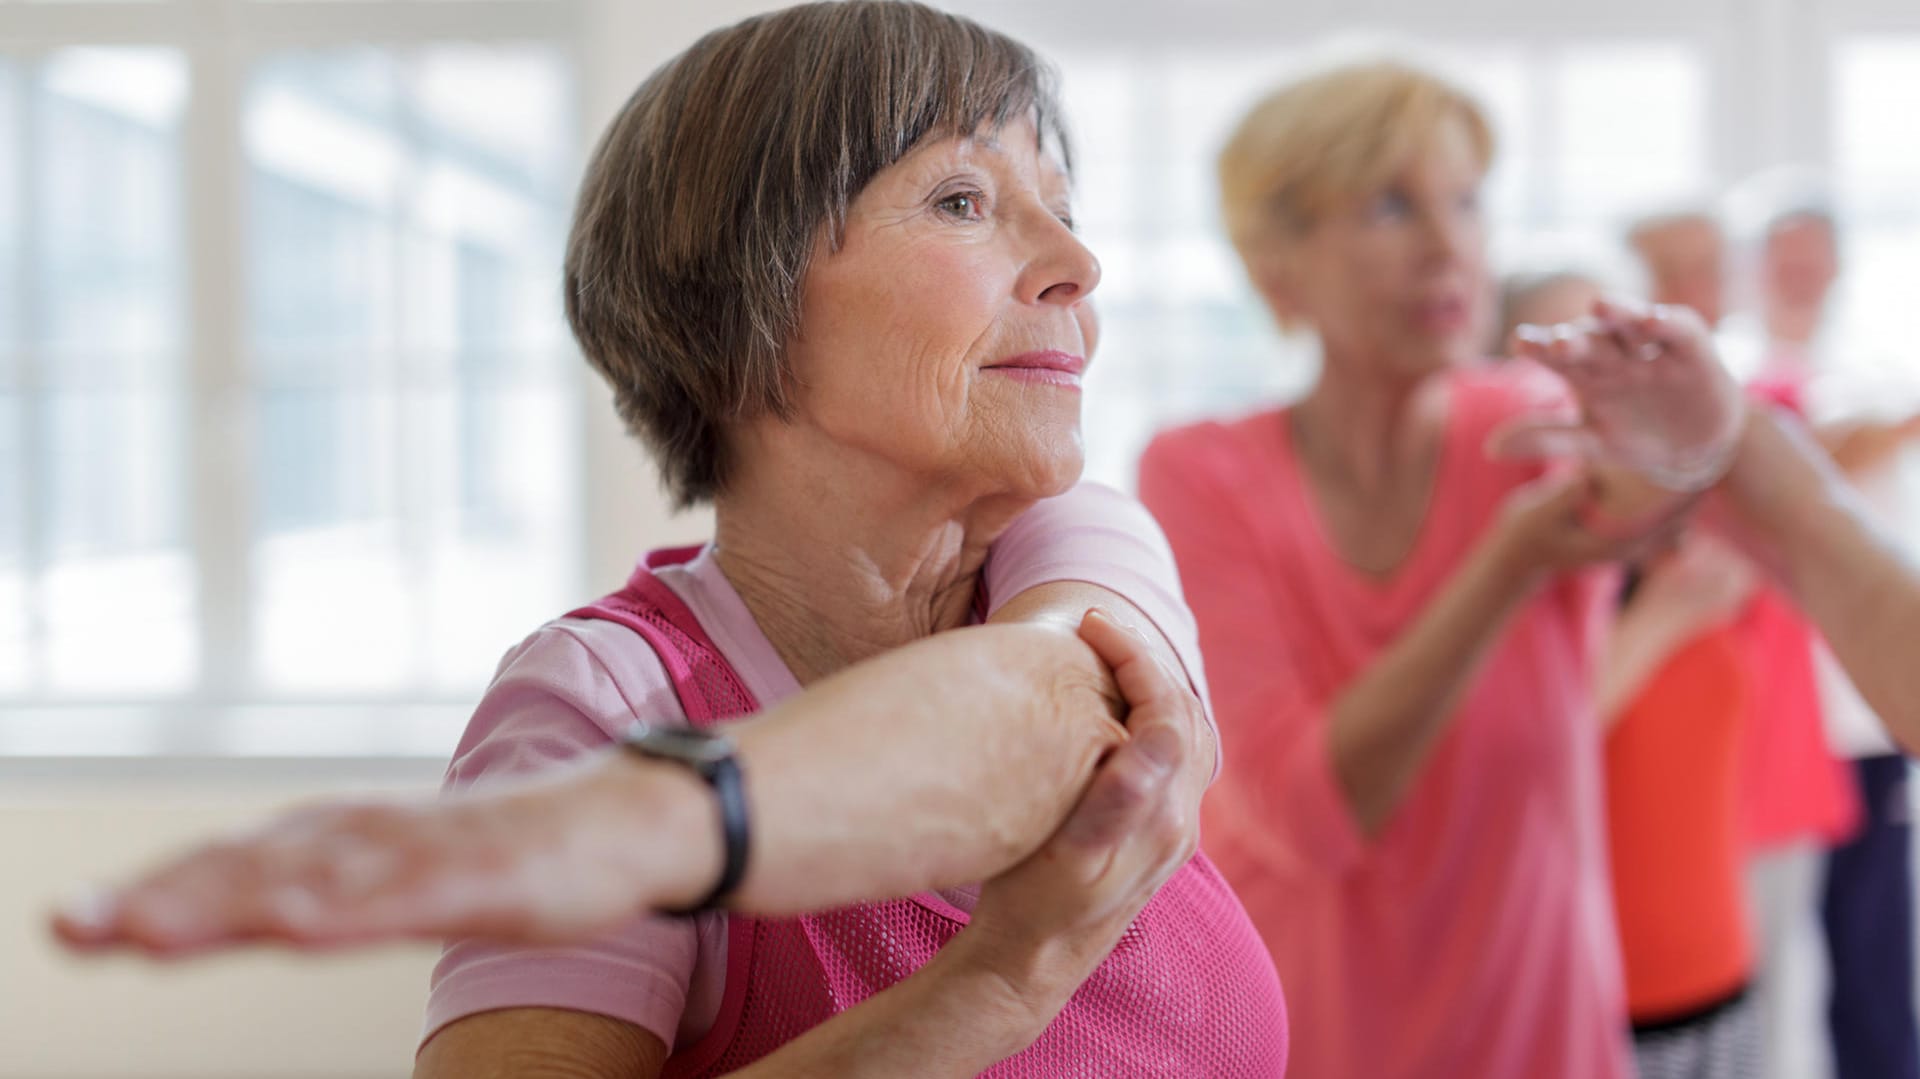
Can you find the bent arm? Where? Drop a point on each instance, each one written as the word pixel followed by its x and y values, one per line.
pixel 956 1016
pixel 938 764
pixel 1385 723
pixel 518 1043
pixel 1037 931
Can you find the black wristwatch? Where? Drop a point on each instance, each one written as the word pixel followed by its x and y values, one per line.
pixel 711 757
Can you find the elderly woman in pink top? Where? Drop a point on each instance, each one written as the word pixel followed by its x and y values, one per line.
pixel 1400 628
pixel 825 260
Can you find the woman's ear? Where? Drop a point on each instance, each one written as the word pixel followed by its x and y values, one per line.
pixel 1275 278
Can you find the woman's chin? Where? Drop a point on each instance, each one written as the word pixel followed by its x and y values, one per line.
pixel 1049 472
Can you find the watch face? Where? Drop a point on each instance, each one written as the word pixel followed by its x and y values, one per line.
pixel 680 743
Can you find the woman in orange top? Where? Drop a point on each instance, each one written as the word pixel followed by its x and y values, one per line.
pixel 1674 690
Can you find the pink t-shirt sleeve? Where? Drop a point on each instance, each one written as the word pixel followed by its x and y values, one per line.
pixel 1282 804
pixel 552 700
pixel 1096 535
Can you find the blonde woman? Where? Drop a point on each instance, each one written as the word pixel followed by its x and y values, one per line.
pixel 1399 629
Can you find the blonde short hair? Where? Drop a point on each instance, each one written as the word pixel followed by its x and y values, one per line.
pixel 1329 137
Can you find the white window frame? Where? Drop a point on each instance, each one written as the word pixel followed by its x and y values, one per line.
pixel 1768 103
pixel 220 42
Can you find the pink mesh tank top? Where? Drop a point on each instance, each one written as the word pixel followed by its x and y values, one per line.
pixel 1188 991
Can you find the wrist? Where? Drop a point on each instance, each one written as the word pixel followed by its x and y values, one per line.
pixel 1506 568
pixel 663 822
pixel 1012 985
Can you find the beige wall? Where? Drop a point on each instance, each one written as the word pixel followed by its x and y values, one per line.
pixel 259 1015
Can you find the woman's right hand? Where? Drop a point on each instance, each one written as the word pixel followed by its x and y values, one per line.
pixel 1562 521
pixel 1048 922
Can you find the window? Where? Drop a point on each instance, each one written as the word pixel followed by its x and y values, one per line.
pixel 1876 135
pixel 96 560
pixel 333 460
pixel 406 362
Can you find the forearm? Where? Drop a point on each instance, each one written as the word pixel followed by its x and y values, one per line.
pixel 1388 720
pixel 937 764
pixel 956 1016
pixel 1848 578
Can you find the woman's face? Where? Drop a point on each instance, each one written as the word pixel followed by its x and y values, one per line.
pixel 946 338
pixel 1397 280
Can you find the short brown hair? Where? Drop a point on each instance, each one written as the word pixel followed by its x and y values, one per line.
pixel 1336 134
pixel 706 197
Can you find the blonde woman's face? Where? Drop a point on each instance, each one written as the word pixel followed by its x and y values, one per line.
pixel 1397 279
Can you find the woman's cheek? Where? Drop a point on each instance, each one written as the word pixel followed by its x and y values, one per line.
pixel 1089 320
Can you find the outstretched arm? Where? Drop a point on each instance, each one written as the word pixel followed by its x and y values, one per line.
pixel 1805 523
pixel 1655 395
pixel 937 764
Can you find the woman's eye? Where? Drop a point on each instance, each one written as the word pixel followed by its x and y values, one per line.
pixel 1389 206
pixel 964 204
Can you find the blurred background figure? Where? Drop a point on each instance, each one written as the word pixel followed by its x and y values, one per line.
pixel 1796 800
pixel 1542 298
pixel 1684 254
pixel 1398 628
pixel 1675 694
pixel 1867 898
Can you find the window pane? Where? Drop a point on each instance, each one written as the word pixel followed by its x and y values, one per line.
pixel 15 647
pixel 107 200
pixel 334 602
pixel 326 173
pixel 1876 124
pixel 117 595
pixel 106 440
pixel 1631 125
pixel 413 379
pixel 502 520
pixel 1497 76
pixel 11 104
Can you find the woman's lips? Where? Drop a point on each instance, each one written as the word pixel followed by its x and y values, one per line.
pixel 1050 368
pixel 1449 315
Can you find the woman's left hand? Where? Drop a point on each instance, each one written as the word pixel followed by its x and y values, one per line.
pixel 1652 392
pixel 553 858
pixel 1049 921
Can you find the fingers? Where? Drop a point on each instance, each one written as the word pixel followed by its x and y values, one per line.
pixel 1143 680
pixel 1127 791
pixel 1618 329
pixel 1565 348
pixel 316 879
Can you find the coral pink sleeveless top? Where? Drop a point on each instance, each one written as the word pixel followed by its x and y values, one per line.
pixel 1188 991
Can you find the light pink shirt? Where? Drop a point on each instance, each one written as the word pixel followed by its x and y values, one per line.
pixel 575 684
pixel 1474 935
